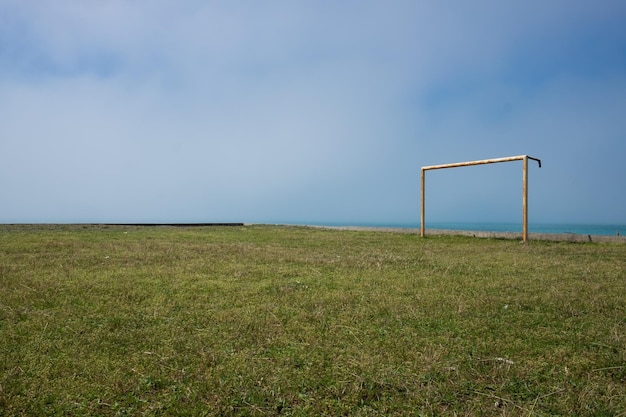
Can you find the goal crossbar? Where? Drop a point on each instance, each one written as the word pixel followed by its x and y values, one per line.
pixel 523 158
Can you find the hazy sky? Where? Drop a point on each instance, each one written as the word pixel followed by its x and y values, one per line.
pixel 310 111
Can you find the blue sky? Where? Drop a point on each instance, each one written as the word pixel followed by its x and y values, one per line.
pixel 310 111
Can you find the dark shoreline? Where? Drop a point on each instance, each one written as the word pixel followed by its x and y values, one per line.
pixel 173 224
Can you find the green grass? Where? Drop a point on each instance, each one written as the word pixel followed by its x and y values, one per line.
pixel 263 320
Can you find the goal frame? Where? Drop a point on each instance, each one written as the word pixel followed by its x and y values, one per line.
pixel 523 158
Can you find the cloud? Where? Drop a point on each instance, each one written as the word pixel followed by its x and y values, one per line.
pixel 285 111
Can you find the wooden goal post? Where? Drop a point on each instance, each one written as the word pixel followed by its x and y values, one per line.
pixel 523 158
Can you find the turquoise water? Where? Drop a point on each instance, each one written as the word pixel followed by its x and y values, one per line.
pixel 580 229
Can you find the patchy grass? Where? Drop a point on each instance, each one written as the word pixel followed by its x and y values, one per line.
pixel 264 320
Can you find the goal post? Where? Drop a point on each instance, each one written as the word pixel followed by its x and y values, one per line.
pixel 523 158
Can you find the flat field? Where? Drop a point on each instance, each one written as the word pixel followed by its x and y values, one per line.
pixel 296 321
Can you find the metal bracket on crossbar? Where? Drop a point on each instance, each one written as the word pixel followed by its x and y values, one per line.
pixel 523 158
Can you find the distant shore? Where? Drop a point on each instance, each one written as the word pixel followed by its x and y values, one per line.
pixel 558 237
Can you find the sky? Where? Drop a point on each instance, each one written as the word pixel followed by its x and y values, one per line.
pixel 310 111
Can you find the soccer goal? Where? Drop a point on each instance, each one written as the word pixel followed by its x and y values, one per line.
pixel 523 158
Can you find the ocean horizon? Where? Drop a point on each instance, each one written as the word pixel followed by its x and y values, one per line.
pixel 555 228
pixel 548 228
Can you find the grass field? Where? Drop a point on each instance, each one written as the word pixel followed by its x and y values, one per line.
pixel 267 320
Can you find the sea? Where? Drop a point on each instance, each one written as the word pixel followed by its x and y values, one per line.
pixel 578 229
pixel 557 228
